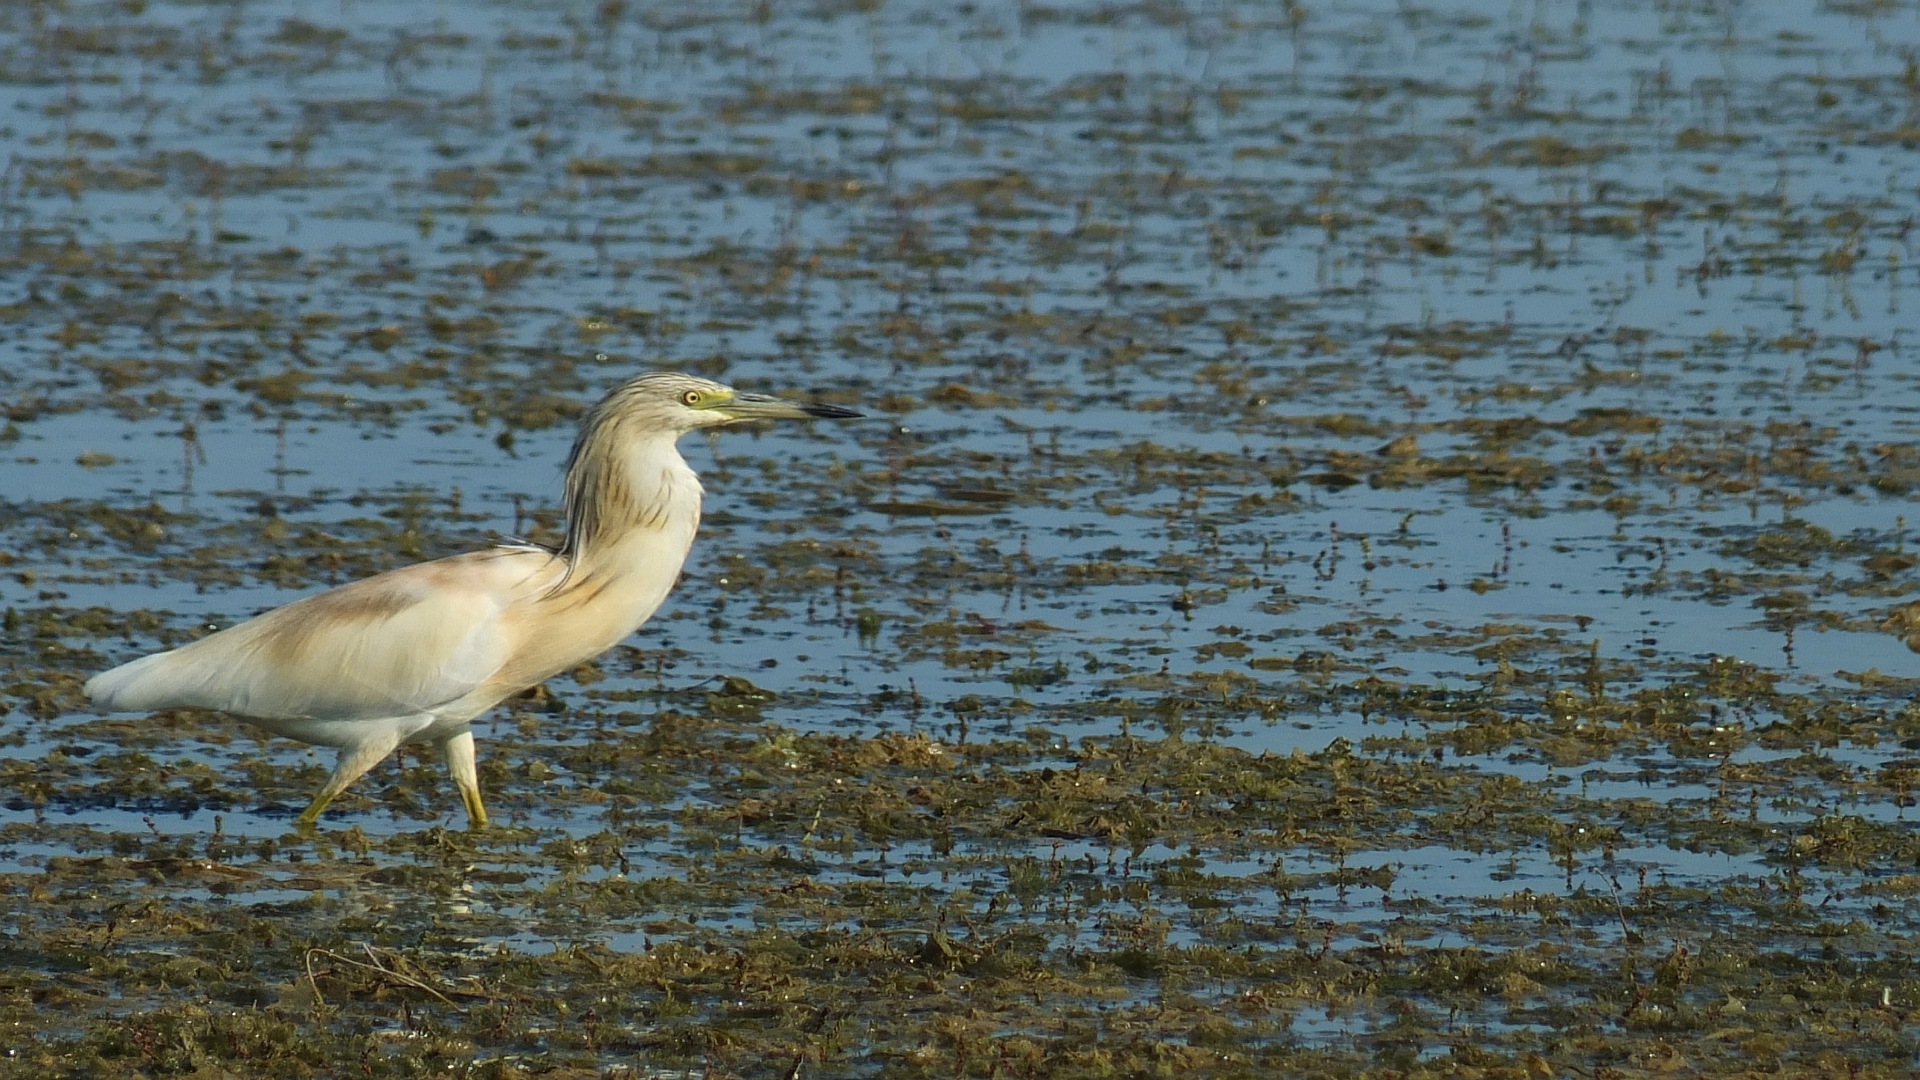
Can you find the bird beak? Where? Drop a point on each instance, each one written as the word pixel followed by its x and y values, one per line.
pixel 763 407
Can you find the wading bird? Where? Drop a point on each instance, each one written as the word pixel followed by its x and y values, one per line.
pixel 415 654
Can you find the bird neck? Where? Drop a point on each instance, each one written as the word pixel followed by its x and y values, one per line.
pixel 623 490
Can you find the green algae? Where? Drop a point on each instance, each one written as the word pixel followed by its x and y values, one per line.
pixel 809 925
pixel 1332 594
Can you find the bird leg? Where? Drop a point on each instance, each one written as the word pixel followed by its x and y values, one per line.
pixel 353 764
pixel 457 749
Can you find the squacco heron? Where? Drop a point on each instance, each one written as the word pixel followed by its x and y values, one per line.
pixel 415 654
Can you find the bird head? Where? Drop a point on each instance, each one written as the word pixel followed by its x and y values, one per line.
pixel 670 401
pixel 629 435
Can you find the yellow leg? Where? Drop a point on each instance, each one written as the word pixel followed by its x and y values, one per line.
pixel 353 764
pixel 457 749
pixel 312 813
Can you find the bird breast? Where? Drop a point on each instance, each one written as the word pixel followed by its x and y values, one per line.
pixel 612 585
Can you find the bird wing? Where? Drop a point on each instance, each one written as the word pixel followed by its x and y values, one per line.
pixel 402 643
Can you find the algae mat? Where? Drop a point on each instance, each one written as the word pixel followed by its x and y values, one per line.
pixel 1381 547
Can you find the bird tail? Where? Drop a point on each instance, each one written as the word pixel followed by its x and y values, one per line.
pixel 130 687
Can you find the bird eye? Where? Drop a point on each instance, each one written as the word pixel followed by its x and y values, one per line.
pixel 691 397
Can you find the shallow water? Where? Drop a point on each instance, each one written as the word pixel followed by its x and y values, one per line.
pixel 1379 542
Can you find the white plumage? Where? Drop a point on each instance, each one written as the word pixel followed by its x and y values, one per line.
pixel 415 654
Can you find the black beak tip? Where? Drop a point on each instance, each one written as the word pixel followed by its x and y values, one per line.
pixel 830 412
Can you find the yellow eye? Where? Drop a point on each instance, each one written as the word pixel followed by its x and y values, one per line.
pixel 691 397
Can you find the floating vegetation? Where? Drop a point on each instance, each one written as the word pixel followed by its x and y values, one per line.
pixel 1386 552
